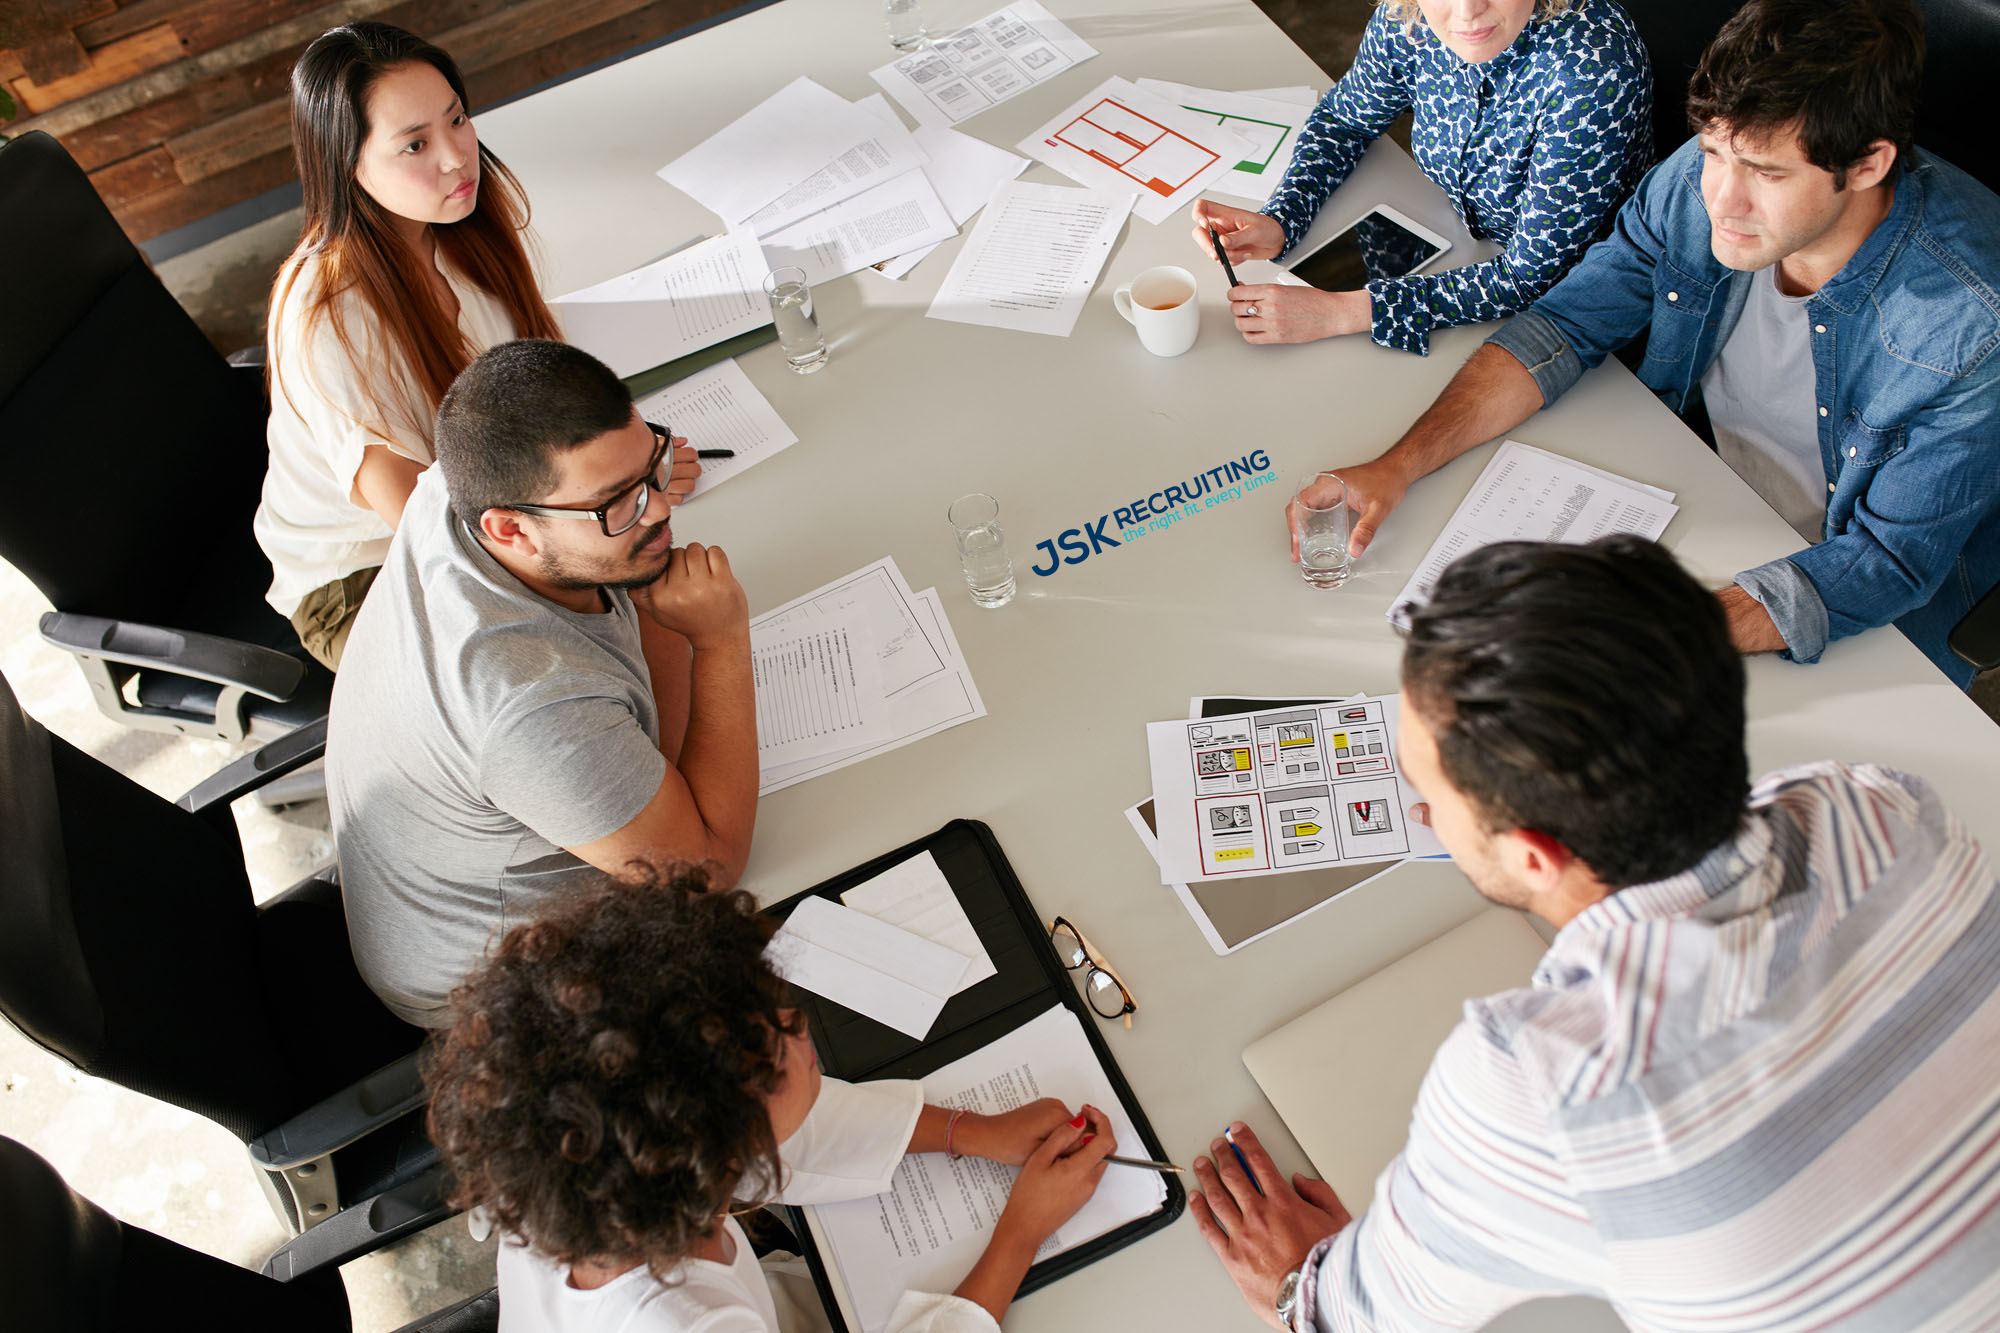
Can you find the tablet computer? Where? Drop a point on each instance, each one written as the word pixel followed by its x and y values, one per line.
pixel 1382 243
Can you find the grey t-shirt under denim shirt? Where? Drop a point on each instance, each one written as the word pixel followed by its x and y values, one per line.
pixel 477 730
pixel 1759 394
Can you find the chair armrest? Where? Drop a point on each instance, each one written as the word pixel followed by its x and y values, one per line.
pixel 1976 638
pixel 392 1091
pixel 248 358
pixel 266 763
pixel 264 671
pixel 388 1217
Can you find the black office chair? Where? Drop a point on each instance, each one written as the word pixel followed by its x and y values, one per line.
pixel 1962 42
pixel 130 947
pixel 67 1266
pixel 135 458
pixel 1976 639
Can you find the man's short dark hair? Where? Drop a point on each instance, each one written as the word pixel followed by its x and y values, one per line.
pixel 509 413
pixel 602 1088
pixel 1590 693
pixel 1846 72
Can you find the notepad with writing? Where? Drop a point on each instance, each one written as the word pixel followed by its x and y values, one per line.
pixel 1019 1034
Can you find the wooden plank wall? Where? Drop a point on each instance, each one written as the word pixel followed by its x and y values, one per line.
pixel 177 108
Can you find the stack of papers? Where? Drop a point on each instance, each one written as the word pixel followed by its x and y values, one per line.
pixel 1033 258
pixel 1530 494
pixel 691 299
pixel 919 684
pixel 962 73
pixel 882 971
pixel 1270 120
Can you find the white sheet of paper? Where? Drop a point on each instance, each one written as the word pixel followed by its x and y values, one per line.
pixel 915 896
pixel 879 223
pixel 1295 95
pixel 964 171
pixel 936 703
pixel 1530 494
pixel 819 689
pixel 1116 137
pixel 880 594
pixel 962 73
pixel 719 408
pixel 926 1232
pixel 1032 258
pixel 770 148
pixel 1271 127
pixel 886 154
pixel 1280 790
pixel 883 971
pixel 689 300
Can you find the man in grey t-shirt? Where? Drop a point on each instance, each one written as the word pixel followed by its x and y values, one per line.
pixel 540 685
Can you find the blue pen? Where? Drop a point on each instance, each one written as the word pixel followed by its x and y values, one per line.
pixel 1241 1160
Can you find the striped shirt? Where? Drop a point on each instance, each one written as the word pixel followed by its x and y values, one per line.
pixel 1760 1095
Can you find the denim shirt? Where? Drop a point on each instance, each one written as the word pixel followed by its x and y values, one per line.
pixel 1536 148
pixel 1908 387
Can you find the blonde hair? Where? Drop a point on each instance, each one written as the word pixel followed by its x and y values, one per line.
pixel 1406 12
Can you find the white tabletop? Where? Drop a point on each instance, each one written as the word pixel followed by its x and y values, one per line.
pixel 911 412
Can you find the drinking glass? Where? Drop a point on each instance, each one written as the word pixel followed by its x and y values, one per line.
pixel 982 549
pixel 792 312
pixel 905 20
pixel 1321 518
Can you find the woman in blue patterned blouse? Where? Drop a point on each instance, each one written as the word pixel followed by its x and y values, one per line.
pixel 1535 116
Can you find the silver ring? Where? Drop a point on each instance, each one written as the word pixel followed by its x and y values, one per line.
pixel 1252 312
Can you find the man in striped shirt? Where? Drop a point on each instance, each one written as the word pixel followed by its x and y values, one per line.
pixel 1755 1082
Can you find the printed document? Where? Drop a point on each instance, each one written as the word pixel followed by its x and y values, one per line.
pixel 1033 258
pixel 879 223
pixel 883 156
pixel 1530 494
pixel 931 1226
pixel 915 895
pixel 1283 789
pixel 882 971
pixel 1271 127
pixel 963 73
pixel 964 171
pixel 818 689
pixel 927 685
pixel 1119 138
pixel 770 148
pixel 693 298
pixel 719 408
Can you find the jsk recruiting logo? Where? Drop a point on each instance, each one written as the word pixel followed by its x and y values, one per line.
pixel 1156 512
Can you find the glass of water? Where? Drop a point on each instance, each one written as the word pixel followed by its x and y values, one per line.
pixel 905 19
pixel 1320 514
pixel 792 312
pixel 982 549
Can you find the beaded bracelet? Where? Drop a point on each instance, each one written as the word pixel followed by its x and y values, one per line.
pixel 950 1125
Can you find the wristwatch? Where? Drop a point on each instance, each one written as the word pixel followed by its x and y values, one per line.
pixel 1290 1294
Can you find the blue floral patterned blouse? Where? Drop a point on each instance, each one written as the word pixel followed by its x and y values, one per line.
pixel 1537 148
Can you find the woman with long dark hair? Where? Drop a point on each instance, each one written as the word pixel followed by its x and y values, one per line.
pixel 410 264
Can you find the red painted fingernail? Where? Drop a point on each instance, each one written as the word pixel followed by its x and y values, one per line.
pixel 1086 1138
pixel 1078 1122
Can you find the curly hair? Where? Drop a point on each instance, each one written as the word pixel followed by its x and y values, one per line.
pixel 1409 15
pixel 601 1090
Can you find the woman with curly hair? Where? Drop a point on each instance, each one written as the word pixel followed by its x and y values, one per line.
pixel 1534 116
pixel 624 1066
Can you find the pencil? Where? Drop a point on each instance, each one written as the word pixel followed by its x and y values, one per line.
pixel 1140 1161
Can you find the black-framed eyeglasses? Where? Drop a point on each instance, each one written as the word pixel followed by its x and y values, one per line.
pixel 1101 986
pixel 622 512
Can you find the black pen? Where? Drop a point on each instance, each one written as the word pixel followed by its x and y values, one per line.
pixel 715 453
pixel 1223 257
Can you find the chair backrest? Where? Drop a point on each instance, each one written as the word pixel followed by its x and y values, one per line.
pixel 67 1264
pixel 134 454
pixel 130 946
pixel 1962 39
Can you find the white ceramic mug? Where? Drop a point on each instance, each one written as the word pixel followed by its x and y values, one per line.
pixel 1160 304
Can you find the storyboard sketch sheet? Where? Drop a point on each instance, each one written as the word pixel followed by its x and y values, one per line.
pixel 931 1226
pixel 1286 789
pixel 1529 494
pixel 960 74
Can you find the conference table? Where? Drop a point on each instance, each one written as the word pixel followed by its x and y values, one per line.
pixel 911 412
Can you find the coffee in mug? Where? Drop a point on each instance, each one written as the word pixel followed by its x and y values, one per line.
pixel 1160 304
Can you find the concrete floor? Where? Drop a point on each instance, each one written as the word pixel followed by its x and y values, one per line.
pixel 175 1173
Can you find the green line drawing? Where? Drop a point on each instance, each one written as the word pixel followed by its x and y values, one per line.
pixel 1251 165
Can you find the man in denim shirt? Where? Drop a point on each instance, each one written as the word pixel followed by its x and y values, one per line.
pixel 1800 228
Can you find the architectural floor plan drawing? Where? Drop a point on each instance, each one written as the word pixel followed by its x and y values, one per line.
pixel 1292 788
